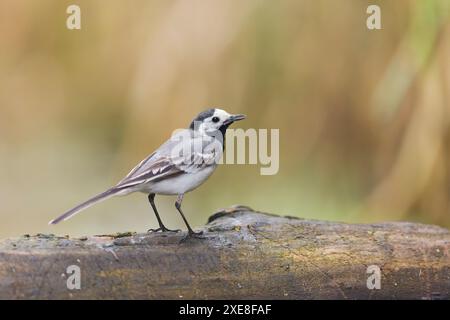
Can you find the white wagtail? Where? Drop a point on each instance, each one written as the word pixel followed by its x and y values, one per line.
pixel 178 166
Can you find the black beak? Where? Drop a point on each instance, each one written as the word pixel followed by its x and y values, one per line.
pixel 233 118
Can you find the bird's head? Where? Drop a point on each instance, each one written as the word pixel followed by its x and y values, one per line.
pixel 213 120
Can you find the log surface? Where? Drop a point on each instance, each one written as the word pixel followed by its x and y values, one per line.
pixel 243 255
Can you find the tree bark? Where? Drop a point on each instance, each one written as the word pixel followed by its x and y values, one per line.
pixel 243 255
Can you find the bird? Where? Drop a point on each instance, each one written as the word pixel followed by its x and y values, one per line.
pixel 181 164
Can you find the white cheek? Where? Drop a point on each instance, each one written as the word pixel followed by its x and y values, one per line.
pixel 202 128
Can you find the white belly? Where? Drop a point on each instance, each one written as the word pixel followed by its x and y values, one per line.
pixel 179 184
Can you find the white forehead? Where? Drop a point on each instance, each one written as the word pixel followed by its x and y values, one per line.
pixel 222 114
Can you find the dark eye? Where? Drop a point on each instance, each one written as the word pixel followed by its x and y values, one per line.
pixel 215 119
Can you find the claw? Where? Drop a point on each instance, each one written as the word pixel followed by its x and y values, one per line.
pixel 163 229
pixel 195 234
pixel 192 235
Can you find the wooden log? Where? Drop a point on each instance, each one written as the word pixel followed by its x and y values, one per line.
pixel 243 255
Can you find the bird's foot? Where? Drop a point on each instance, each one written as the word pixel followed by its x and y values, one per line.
pixel 192 235
pixel 195 234
pixel 163 229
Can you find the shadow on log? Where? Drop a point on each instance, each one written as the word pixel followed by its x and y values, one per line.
pixel 244 254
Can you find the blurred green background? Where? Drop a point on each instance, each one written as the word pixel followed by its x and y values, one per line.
pixel 364 115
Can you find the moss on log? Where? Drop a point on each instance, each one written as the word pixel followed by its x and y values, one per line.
pixel 244 254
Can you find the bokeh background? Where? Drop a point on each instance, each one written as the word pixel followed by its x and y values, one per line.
pixel 364 115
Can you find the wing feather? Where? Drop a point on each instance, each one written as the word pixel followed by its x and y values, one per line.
pixel 163 162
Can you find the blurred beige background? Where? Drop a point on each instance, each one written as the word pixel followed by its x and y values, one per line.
pixel 363 115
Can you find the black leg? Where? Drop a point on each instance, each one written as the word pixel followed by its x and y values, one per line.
pixel 191 232
pixel 162 227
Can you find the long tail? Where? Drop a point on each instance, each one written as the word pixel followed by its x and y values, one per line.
pixel 98 198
